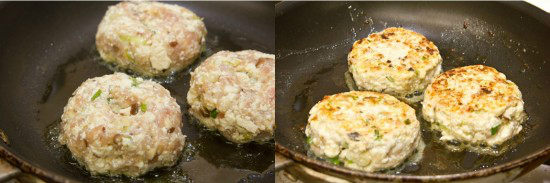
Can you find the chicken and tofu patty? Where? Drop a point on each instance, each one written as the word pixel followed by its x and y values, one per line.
pixel 116 124
pixel 150 38
pixel 396 61
pixel 475 105
pixel 363 130
pixel 234 93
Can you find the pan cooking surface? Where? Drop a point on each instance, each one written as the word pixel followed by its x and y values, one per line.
pixel 47 51
pixel 313 40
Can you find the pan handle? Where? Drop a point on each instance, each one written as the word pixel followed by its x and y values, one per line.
pixel 281 162
pixel 7 171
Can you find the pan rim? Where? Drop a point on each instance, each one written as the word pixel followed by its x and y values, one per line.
pixel 484 172
pixel 28 167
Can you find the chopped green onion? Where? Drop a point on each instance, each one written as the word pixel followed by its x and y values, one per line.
pixel 143 107
pixel 196 17
pixel 407 121
pixel 135 82
pixel 97 94
pixel 309 140
pixel 390 78
pixel 214 113
pixel 424 58
pixel 494 130
pixel 132 39
pixel 247 136
pixel 378 136
pixel 354 97
pixel 334 160
pixel 443 127
pixel 349 162
pixel 416 73
pixel 128 55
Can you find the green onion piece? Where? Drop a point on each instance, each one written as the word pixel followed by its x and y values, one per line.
pixel 309 140
pixel 135 82
pixel 390 78
pixel 128 55
pixel 334 160
pixel 214 113
pixel 349 162
pixel 354 97
pixel 424 58
pixel 132 39
pixel 247 136
pixel 494 130
pixel 443 127
pixel 143 107
pixel 407 121
pixel 378 136
pixel 97 94
pixel 416 73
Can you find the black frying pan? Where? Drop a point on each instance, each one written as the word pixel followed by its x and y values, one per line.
pixel 47 51
pixel 313 40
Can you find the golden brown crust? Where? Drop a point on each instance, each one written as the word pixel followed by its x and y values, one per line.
pixel 334 107
pixel 424 47
pixel 365 130
pixel 492 90
pixel 396 61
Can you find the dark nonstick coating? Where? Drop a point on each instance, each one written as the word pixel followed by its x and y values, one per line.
pixel 313 40
pixel 47 50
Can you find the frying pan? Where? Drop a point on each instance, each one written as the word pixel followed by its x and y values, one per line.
pixel 47 50
pixel 313 39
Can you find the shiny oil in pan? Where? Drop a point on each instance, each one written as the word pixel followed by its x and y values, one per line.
pixel 207 156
